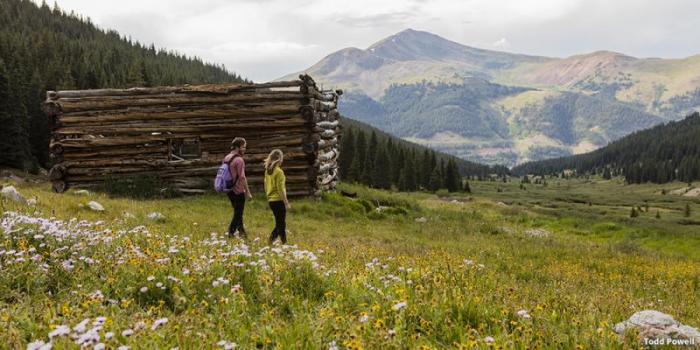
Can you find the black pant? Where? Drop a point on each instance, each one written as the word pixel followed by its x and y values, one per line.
pixel 280 213
pixel 238 204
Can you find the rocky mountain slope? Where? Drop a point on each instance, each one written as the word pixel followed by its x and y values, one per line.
pixel 499 107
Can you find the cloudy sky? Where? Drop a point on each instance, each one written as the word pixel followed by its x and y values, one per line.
pixel 266 39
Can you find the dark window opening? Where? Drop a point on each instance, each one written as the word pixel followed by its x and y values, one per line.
pixel 184 149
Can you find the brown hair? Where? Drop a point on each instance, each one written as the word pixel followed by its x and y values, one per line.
pixel 273 159
pixel 237 143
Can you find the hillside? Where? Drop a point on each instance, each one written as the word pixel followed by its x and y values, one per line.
pixel 43 48
pixel 661 154
pixel 541 94
pixel 353 128
pixel 501 268
pixel 496 124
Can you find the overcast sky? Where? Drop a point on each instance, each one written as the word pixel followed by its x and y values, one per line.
pixel 266 39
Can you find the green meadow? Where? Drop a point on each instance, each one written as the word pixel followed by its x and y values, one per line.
pixel 549 267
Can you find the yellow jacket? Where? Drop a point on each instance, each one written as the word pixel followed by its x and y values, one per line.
pixel 275 184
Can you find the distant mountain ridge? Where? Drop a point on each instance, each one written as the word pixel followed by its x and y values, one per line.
pixel 669 152
pixel 589 99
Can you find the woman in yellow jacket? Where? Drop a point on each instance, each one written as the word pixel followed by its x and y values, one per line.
pixel 276 194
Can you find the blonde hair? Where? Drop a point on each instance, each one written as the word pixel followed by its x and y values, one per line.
pixel 273 160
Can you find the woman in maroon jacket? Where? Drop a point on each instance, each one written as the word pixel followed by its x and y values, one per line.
pixel 239 186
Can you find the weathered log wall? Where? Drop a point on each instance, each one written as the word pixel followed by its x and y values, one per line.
pixel 137 132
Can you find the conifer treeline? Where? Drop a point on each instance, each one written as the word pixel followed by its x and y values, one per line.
pixel 44 48
pixel 378 160
pixel 661 154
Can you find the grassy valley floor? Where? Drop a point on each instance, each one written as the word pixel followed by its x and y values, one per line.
pixel 508 268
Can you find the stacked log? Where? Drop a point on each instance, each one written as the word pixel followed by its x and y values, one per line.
pixel 127 133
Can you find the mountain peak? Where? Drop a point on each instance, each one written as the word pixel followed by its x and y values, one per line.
pixel 410 44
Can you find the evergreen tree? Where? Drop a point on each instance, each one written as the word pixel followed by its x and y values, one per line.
pixel 633 213
pixel 398 166
pixel 409 173
pixel 453 180
pixel 686 211
pixel 369 160
pixel 358 158
pixel 44 48
pixel 380 175
pixel 467 188
pixel 347 150
pixel 14 148
pixel 435 180
pixel 425 168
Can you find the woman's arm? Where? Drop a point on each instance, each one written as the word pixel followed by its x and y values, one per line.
pixel 282 189
pixel 247 189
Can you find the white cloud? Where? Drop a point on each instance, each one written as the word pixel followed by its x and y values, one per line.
pixel 501 43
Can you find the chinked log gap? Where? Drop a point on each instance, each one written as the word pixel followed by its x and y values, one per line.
pixel 180 133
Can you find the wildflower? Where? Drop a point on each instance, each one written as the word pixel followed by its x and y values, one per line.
pixel 123 347
pixel 109 335
pixel 364 318
pixel 127 332
pixel 143 289
pixel 99 346
pixel 150 278
pixel 60 331
pixel 39 345
pixel 489 340
pixel 159 322
pixel 82 326
pixel 523 314
pixel 236 288
pixel 333 346
pixel 399 306
pixel 226 345
pixel 139 325
pixel 88 338
pixel 159 285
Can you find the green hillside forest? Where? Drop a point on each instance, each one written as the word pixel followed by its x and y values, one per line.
pixel 43 48
pixel 664 153
pixel 379 160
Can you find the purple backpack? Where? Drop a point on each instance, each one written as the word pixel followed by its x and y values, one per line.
pixel 224 180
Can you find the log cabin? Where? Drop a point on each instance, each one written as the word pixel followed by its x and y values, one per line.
pixel 180 134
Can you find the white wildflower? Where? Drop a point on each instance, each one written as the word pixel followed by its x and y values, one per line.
pixel 127 332
pixel 60 331
pixel 399 306
pixel 524 314
pixel 159 322
pixel 82 326
pixel 37 345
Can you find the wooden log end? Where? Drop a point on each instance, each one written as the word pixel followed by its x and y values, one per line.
pixel 59 186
